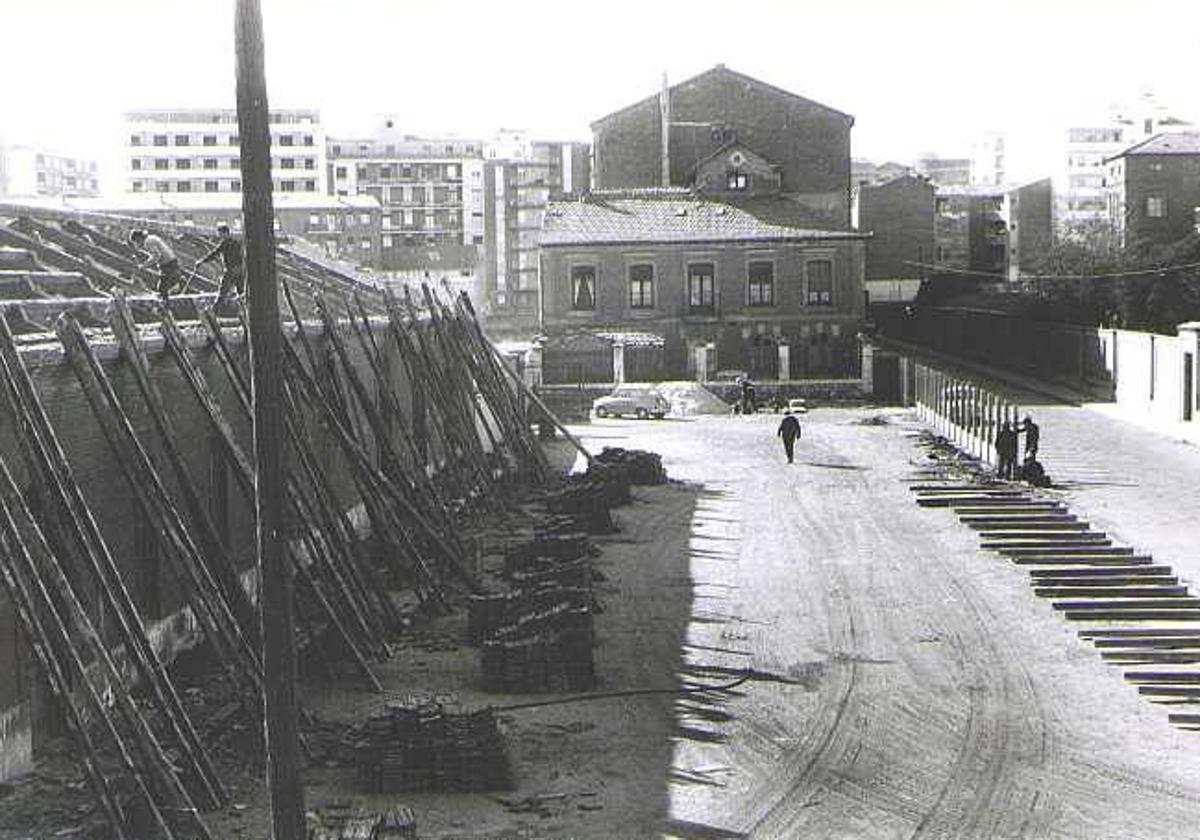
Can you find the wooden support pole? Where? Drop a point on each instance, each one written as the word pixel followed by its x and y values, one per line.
pixel 266 338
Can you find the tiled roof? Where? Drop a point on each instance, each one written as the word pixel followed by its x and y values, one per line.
pixel 600 220
pixel 1182 143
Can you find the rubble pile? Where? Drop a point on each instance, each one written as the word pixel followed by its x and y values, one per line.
pixel 642 467
pixel 416 745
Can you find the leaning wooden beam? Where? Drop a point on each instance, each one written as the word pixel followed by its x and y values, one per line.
pixel 244 473
pixel 213 550
pixel 39 639
pixel 204 596
pixel 45 459
pixel 42 567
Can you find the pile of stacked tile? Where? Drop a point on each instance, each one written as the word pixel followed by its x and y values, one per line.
pixel 549 650
pixel 590 497
pixel 342 822
pixel 643 467
pixel 416 745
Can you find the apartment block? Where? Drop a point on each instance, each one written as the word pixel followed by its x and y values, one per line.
pixel 198 151
pixel 30 171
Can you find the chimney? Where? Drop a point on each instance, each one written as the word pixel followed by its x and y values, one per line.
pixel 664 107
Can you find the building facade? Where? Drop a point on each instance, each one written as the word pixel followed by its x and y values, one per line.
pixel 199 151
pixel 29 171
pixel 988 167
pixel 713 286
pixel 1030 226
pixel 430 191
pixel 945 172
pixel 899 217
pixel 1154 190
pixel 970 230
pixel 665 139
pixel 1082 192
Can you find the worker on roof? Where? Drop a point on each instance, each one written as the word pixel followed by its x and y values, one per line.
pixel 233 277
pixel 160 254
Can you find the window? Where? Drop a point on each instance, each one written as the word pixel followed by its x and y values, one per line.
pixel 385 173
pixel 183 186
pixel 235 186
pixel 287 140
pixel 819 274
pixel 234 140
pixel 235 163
pixel 137 163
pixel 212 186
pixel 700 287
pixel 406 171
pixel 761 289
pixel 364 218
pixel 340 172
pixel 183 163
pixel 310 185
pixel 641 286
pixel 308 139
pixel 162 186
pixel 418 195
pixel 287 163
pixel 135 139
pixel 583 287
pixel 210 163
pixel 1156 206
pixel 387 241
pixel 160 139
pixel 737 180
pixel 181 140
pixel 137 186
pixel 161 163
pixel 210 140
pixel 287 186
pixel 361 172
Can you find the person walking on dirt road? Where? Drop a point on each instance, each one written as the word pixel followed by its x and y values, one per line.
pixel 789 430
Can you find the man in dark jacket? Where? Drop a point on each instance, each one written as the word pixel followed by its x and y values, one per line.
pixel 230 251
pixel 789 430
pixel 1006 451
pixel 1032 437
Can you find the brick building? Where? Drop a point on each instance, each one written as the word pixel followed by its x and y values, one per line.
pixel 666 140
pixel 1154 189
pixel 970 229
pixel 899 216
pixel 711 285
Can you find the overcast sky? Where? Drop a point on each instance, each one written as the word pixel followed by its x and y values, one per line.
pixel 917 74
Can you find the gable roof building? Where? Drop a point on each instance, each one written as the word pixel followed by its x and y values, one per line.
pixel 670 138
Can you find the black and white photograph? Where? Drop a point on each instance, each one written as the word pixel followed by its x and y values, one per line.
pixel 546 420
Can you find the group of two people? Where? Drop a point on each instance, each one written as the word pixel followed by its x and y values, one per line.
pixel 163 258
pixel 1007 444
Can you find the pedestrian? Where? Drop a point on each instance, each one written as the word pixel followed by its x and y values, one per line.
pixel 160 254
pixel 789 430
pixel 1006 450
pixel 233 276
pixel 1032 437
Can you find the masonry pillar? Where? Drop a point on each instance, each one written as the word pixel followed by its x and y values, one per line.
pixel 785 369
pixel 868 368
pixel 618 363
pixel 1189 360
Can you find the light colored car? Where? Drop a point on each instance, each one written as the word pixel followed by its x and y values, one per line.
pixel 630 399
pixel 797 405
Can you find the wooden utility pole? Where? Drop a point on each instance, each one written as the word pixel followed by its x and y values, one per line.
pixel 266 339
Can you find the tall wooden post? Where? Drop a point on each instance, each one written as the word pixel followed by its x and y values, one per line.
pixel 266 338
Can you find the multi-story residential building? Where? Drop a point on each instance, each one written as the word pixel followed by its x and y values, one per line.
pixel 1154 190
pixel 29 171
pixel 970 230
pixel 430 189
pixel 1030 226
pixel 988 168
pixel 1082 206
pixel 568 166
pixel 345 229
pixel 899 217
pixel 712 127
pixel 198 151
pixel 515 196
pixel 943 171
pixel 712 285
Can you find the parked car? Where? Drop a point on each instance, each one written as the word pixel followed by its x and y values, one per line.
pixel 797 405
pixel 630 399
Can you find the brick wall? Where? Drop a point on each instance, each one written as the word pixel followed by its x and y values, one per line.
pixel 899 215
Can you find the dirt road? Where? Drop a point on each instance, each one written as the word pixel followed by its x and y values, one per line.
pixel 909 684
